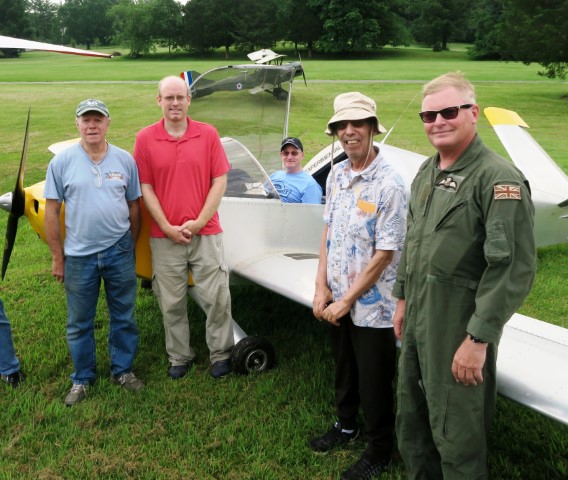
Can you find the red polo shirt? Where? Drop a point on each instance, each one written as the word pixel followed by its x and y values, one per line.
pixel 180 171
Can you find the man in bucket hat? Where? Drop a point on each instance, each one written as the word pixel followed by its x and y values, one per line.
pixel 293 184
pixel 365 217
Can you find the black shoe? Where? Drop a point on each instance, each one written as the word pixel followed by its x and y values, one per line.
pixel 334 438
pixel 366 469
pixel 14 379
pixel 221 368
pixel 176 372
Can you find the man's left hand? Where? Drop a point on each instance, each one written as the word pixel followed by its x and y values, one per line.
pixel 468 362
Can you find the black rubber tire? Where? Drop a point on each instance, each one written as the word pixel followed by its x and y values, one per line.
pixel 253 355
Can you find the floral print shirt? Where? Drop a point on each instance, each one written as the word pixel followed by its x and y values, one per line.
pixel 365 211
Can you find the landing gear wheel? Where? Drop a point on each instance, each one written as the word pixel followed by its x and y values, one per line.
pixel 253 354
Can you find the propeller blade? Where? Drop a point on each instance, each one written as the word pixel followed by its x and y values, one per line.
pixel 11 230
pixel 18 204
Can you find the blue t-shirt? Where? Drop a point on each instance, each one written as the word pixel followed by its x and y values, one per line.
pixel 296 187
pixel 95 196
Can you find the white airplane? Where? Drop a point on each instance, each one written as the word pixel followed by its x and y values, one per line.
pixel 21 44
pixel 276 244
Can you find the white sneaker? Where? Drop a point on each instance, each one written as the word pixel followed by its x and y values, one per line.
pixel 77 393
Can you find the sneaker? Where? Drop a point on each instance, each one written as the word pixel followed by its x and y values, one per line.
pixel 334 438
pixel 365 469
pixel 77 394
pixel 221 368
pixel 14 379
pixel 128 381
pixel 175 372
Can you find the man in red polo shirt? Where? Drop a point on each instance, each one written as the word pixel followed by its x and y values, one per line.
pixel 183 174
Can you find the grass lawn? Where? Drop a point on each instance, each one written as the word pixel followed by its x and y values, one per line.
pixel 253 427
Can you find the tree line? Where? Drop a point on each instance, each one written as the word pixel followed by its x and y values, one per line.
pixel 515 30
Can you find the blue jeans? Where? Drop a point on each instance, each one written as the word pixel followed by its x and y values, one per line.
pixel 8 361
pixel 83 275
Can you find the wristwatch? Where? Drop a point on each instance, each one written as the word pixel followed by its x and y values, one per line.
pixel 475 339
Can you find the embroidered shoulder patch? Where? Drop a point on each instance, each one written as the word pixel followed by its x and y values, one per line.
pixel 507 192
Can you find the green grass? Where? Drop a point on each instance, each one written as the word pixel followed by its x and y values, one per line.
pixel 241 427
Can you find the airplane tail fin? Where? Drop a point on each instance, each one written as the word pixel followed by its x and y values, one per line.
pixel 540 169
pixel 187 77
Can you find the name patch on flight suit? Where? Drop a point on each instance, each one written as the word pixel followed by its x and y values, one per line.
pixel 506 192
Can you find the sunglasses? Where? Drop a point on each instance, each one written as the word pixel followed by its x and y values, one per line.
pixel 448 113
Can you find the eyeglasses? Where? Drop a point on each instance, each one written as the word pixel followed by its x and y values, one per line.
pixel 294 153
pixel 172 98
pixel 448 113
pixel 342 124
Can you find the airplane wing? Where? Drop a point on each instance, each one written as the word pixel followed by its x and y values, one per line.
pixel 59 146
pixel 541 171
pixel 532 353
pixel 549 184
pixel 264 56
pixel 290 274
pixel 531 367
pixel 21 44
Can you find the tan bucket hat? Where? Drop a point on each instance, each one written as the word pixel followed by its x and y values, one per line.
pixel 353 106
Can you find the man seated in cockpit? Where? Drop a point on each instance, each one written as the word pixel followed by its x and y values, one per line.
pixel 293 184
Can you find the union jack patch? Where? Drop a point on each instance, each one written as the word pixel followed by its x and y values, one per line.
pixel 506 192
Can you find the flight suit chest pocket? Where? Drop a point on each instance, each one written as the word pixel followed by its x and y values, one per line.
pixel 451 214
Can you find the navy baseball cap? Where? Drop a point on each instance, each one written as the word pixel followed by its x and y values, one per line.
pixel 295 142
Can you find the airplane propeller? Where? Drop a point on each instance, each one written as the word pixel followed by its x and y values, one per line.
pixel 303 71
pixel 18 205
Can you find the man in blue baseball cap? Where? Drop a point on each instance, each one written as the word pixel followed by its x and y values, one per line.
pixel 293 184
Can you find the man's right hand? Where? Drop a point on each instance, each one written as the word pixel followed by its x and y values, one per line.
pixel 178 235
pixel 58 270
pixel 322 298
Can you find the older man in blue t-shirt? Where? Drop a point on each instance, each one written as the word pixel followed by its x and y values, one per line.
pixel 99 184
pixel 293 184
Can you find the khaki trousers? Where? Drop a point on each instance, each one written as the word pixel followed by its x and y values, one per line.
pixel 172 264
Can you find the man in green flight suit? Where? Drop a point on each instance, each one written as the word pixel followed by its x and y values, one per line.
pixel 467 265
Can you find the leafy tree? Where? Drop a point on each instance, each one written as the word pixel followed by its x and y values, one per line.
pixel 167 22
pixel 255 25
pixel 209 24
pixel 300 23
pixel 487 23
pixel 537 32
pixel 437 22
pixel 44 22
pixel 86 21
pixel 359 24
pixel 132 21
pixel 13 22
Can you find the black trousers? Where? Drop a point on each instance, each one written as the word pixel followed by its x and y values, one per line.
pixel 365 362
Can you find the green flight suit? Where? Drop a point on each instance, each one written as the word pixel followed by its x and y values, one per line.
pixel 467 265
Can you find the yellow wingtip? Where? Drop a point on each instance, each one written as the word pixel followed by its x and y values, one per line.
pixel 500 116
